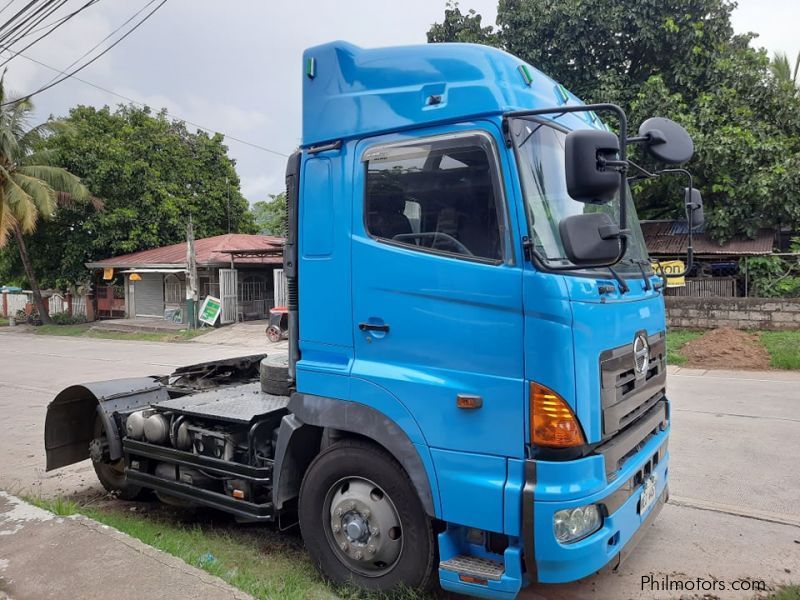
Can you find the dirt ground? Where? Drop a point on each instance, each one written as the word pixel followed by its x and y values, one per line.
pixel 727 349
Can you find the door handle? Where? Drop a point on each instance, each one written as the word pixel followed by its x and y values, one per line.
pixel 373 327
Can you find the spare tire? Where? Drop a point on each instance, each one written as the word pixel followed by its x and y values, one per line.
pixel 275 374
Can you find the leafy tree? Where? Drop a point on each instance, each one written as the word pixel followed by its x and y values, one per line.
pixel 270 215
pixel 677 58
pixel 30 189
pixel 460 27
pixel 152 173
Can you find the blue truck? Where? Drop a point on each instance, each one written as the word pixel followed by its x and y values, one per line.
pixel 475 385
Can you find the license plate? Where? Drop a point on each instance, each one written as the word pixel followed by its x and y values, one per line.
pixel 648 494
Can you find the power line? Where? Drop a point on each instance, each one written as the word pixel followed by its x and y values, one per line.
pixel 24 21
pixel 86 64
pixel 93 48
pixel 139 103
pixel 44 35
pixel 48 25
pixel 9 3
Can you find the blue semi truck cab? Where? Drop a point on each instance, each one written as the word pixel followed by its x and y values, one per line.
pixel 475 387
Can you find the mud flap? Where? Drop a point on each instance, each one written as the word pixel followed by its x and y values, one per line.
pixel 69 425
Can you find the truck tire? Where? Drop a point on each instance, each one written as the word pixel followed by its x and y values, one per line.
pixel 112 475
pixel 274 374
pixel 362 521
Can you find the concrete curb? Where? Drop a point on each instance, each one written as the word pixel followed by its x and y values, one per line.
pixel 46 556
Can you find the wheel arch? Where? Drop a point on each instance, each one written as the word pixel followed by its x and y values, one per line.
pixel 301 436
pixel 69 424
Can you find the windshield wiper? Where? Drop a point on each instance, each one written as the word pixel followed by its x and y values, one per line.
pixel 640 263
pixel 623 287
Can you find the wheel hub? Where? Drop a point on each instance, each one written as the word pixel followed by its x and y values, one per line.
pixel 365 529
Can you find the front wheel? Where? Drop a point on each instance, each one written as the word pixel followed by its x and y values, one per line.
pixel 362 521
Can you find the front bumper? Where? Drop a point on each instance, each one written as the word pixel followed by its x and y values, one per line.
pixel 622 527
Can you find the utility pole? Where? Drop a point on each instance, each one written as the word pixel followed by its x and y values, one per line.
pixel 191 276
pixel 228 187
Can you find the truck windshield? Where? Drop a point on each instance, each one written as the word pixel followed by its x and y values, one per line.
pixel 540 154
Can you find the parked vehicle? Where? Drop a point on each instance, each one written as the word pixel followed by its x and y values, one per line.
pixel 278 328
pixel 475 385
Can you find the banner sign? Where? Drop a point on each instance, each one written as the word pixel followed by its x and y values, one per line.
pixel 671 266
pixel 210 309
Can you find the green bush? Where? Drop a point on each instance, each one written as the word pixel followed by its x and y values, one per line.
pixel 67 319
pixel 774 277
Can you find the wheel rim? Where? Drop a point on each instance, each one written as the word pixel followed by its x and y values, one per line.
pixel 362 526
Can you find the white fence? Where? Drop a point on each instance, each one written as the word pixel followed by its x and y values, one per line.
pixel 16 302
pixel 78 306
pixel 56 304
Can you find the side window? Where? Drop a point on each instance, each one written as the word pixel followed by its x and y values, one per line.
pixel 436 196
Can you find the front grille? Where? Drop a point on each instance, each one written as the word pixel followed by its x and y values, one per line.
pixel 626 394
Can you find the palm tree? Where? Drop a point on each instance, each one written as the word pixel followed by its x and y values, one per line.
pixel 30 189
pixel 782 69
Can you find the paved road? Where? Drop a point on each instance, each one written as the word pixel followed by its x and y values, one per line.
pixel 734 481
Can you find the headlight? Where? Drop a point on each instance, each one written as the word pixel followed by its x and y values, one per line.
pixel 573 524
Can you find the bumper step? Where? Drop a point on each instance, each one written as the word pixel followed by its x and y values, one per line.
pixel 475 566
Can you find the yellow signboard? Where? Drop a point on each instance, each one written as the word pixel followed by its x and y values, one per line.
pixel 108 274
pixel 670 267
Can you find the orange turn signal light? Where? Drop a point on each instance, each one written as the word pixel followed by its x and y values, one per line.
pixel 553 424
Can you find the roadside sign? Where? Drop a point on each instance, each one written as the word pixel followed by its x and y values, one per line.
pixel 209 310
pixel 672 266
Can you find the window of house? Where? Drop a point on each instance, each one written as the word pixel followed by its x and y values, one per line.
pixel 436 195
pixel 174 290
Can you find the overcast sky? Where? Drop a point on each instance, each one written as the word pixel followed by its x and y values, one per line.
pixel 235 66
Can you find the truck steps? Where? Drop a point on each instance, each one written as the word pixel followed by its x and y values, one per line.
pixel 474 567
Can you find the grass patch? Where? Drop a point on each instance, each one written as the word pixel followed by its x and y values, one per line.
pixel 675 341
pixel 63 507
pixel 790 592
pixel 783 348
pixel 257 559
pixel 3 321
pixel 85 330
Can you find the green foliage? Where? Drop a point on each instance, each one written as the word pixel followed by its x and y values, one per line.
pixel 270 215
pixel 782 69
pixel 784 350
pixel 773 277
pixel 67 319
pixel 460 27
pixel 680 59
pixel 151 172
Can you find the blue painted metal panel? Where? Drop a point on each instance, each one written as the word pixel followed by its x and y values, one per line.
pixel 471 488
pixel 455 327
pixel 557 562
pixel 512 497
pixel 358 92
pixel 324 267
pixel 317 216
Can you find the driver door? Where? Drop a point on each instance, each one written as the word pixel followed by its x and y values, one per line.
pixel 437 296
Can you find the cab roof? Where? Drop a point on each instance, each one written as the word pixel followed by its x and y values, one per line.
pixel 351 92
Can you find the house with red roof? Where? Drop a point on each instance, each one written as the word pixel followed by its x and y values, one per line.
pixel 243 271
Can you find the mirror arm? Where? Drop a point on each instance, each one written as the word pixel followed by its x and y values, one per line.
pixel 686 208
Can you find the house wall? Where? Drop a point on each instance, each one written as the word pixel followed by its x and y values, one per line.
pixel 739 313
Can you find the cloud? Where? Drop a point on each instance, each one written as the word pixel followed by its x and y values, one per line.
pixel 260 186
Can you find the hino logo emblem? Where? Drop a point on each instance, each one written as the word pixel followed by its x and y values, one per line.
pixel 641 354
